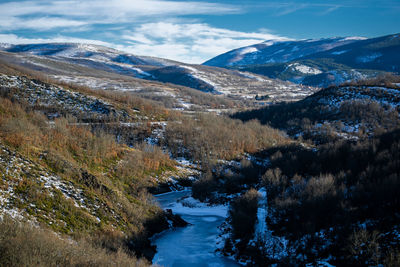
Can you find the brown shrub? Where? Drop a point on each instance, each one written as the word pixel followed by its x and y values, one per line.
pixel 22 244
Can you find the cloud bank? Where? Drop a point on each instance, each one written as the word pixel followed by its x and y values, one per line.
pixel 144 27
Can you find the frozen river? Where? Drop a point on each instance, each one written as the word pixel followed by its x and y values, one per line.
pixel 195 244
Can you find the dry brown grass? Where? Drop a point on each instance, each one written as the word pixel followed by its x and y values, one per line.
pixel 22 244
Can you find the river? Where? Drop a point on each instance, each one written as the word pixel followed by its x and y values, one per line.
pixel 195 244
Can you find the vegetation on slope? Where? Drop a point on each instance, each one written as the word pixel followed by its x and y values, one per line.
pixel 77 180
pixel 354 109
pixel 343 190
pixel 22 244
pixel 335 199
pixel 207 137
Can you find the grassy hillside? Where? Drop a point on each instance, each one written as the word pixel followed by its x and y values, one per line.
pixel 61 173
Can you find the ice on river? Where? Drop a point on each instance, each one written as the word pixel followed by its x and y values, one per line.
pixel 195 244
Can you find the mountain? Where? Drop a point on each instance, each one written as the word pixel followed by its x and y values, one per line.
pixel 79 63
pixel 277 51
pixel 94 56
pixel 86 51
pixel 320 62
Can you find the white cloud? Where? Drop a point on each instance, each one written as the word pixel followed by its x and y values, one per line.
pixel 15 39
pixel 40 24
pixel 103 11
pixel 189 42
pixel 143 27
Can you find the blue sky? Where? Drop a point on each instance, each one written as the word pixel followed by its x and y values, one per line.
pixel 191 31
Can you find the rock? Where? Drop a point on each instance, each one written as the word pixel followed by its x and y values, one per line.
pixel 176 220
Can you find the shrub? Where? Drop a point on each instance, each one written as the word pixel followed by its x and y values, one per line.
pixel 243 214
pixel 22 244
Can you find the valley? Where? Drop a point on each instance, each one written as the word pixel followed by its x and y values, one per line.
pixel 142 160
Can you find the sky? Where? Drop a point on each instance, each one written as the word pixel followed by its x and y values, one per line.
pixel 192 31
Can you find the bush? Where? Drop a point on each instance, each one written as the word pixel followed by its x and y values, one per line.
pixel 243 214
pixel 207 137
pixel 22 244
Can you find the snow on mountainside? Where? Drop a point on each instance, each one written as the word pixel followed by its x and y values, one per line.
pixel 86 51
pixel 320 62
pixel 277 51
pixel 346 111
pixel 232 83
pixel 93 56
pixel 61 60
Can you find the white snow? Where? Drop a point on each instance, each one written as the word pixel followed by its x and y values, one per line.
pixel 274 246
pixel 141 72
pixel 254 77
pixel 189 68
pixel 247 50
pixel 5 45
pixel 196 74
pixel 339 52
pixel 191 206
pixel 355 38
pixel 305 69
pixel 261 226
pixel 269 43
pixel 368 58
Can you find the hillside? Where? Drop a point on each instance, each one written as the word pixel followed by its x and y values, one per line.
pixel 277 51
pixel 80 162
pixel 328 199
pixel 63 169
pixel 346 111
pixel 80 64
pixel 319 62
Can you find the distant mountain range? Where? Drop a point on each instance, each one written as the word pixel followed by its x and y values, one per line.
pixel 317 62
pixel 65 61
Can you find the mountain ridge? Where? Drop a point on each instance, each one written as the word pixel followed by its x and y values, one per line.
pixel 318 62
pixel 234 84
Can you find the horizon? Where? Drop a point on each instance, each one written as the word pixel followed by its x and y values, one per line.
pixel 191 31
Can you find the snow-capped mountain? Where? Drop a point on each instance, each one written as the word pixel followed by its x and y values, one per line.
pixel 277 51
pixel 86 51
pixel 320 62
pixel 94 56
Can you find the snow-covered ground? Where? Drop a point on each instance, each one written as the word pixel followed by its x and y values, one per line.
pixel 382 95
pixel 304 68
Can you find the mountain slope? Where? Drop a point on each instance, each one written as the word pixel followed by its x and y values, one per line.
pixel 232 83
pixel 380 53
pixel 80 64
pixel 277 51
pixel 348 111
pixel 319 62
pixel 94 56
pixel 86 51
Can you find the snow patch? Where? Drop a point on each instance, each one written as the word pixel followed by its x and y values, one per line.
pixel 339 52
pixel 191 206
pixel 369 58
pixel 305 69
pixel 354 38
pixel 247 50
